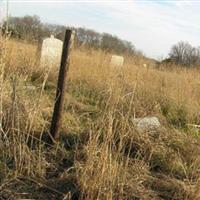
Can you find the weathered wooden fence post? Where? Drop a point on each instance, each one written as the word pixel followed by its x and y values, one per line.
pixel 60 92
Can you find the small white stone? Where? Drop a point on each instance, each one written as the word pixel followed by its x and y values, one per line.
pixel 29 87
pixel 146 124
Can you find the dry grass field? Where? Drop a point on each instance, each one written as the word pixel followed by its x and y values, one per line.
pixel 101 155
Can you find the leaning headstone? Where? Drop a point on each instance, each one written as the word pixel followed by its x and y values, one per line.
pixel 117 61
pixel 51 52
pixel 146 124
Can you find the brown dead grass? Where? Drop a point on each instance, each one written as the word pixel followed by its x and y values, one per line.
pixel 101 155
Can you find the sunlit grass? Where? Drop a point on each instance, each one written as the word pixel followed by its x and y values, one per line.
pixel 101 155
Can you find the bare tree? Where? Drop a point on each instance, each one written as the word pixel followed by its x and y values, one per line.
pixel 185 54
pixel 27 27
pixel 114 44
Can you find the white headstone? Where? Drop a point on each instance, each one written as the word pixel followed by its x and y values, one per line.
pixel 51 51
pixel 117 61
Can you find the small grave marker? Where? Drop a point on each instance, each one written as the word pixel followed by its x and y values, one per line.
pixel 117 61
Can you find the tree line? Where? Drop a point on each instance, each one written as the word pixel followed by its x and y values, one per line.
pixel 185 54
pixel 32 29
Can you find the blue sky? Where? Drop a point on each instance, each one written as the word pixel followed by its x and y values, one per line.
pixel 152 26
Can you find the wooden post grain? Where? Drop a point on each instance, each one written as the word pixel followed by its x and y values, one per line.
pixel 60 92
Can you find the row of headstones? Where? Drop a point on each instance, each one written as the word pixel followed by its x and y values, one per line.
pixel 51 54
pixel 52 49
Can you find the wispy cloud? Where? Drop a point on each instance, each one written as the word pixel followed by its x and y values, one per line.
pixel 153 26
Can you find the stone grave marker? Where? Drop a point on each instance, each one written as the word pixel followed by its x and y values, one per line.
pixel 117 61
pixel 51 52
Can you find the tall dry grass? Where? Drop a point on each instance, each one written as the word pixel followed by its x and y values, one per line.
pixel 101 155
